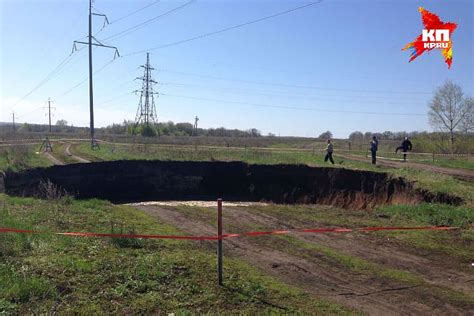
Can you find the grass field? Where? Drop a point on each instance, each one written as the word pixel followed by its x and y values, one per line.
pixel 424 179
pixel 41 274
pixel 17 158
pixel 49 274
pixel 45 273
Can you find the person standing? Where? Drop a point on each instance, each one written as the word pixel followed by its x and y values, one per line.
pixel 374 146
pixel 329 151
pixel 406 146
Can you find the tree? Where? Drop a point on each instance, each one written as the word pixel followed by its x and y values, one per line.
pixel 387 135
pixel 61 123
pixel 467 125
pixel 253 132
pixel 450 111
pixel 368 135
pixel 325 135
pixel 357 135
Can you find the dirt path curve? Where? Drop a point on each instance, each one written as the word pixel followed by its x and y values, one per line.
pixel 319 275
pixel 462 174
pixel 67 152
pixel 53 159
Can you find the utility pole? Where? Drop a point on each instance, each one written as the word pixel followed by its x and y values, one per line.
pixel 146 112
pixel 195 127
pixel 94 144
pixel 91 86
pixel 13 116
pixel 49 114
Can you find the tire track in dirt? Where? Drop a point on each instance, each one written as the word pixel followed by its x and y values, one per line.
pixel 462 174
pixel 370 248
pixel 317 275
pixel 53 159
pixel 67 152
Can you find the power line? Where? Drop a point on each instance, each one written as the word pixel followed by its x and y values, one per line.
pixel 293 95
pixel 292 86
pixel 46 50
pixel 143 24
pixel 28 113
pixel 120 96
pixel 83 81
pixel 50 76
pixel 135 12
pixel 226 29
pixel 291 107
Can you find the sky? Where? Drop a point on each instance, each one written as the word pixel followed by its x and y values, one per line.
pixel 336 65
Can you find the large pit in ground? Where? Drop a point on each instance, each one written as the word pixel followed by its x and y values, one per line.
pixel 136 180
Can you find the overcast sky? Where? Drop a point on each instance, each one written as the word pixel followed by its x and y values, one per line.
pixel 336 65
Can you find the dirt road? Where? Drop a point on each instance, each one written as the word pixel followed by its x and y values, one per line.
pixel 67 152
pixel 462 174
pixel 53 159
pixel 322 275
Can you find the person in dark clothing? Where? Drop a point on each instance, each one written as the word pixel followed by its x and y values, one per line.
pixel 406 146
pixel 374 146
pixel 329 151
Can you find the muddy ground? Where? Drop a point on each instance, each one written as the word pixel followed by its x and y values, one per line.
pixel 435 284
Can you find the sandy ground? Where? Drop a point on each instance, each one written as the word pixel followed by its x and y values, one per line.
pixel 196 203
pixel 321 276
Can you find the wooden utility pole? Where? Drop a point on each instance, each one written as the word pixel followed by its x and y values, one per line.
pixel 13 116
pixel 219 241
pixel 49 114
pixel 195 126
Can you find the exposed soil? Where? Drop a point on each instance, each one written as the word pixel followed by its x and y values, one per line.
pixel 67 152
pixel 53 159
pixel 233 181
pixel 461 174
pixel 318 274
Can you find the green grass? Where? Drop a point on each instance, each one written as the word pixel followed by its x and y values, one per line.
pixel 455 244
pixel 453 163
pixel 43 273
pixel 325 256
pixel 18 158
pixel 60 154
pixel 422 179
pixel 430 214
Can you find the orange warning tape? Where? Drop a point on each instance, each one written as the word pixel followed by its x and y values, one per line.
pixel 216 237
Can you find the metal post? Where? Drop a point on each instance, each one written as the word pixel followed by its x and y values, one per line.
pixel 219 241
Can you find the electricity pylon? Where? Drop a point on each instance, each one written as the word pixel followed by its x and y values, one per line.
pixel 146 112
pixel 94 144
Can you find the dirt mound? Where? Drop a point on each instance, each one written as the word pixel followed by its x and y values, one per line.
pixel 135 180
